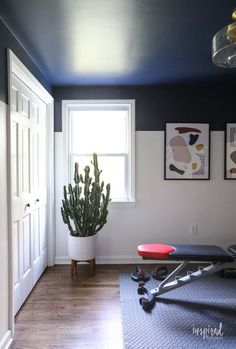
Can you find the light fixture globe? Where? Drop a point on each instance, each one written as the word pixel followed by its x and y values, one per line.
pixel 224 46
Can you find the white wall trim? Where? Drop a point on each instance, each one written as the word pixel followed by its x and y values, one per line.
pixel 17 68
pixel 120 260
pixel 50 185
pixel 132 153
pixel 123 260
pixel 108 260
pixel 62 260
pixel 6 340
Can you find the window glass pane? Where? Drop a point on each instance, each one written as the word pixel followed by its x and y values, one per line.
pixel 113 171
pixel 99 131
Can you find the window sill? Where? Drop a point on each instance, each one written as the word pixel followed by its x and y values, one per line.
pixel 123 204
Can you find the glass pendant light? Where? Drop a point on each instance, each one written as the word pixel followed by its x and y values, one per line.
pixel 224 46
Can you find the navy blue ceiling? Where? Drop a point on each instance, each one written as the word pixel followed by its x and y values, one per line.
pixel 120 42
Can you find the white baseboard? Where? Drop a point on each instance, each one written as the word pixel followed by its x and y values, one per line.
pixel 133 260
pixel 114 260
pixel 62 260
pixel 122 260
pixel 6 340
pixel 107 260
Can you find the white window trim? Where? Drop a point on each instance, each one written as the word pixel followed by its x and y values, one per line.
pixel 68 105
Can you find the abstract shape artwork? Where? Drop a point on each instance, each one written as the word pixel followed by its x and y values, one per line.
pixel 187 129
pixel 201 170
pixel 187 151
pixel 199 147
pixel 233 156
pixel 180 150
pixel 230 151
pixel 175 169
pixel 193 139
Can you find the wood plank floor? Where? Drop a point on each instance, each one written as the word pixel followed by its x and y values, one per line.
pixel 78 312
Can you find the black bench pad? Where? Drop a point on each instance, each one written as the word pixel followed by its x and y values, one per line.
pixel 207 253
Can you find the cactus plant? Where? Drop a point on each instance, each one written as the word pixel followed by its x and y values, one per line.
pixel 85 206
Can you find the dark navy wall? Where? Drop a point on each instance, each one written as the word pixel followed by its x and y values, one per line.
pixel 7 40
pixel 212 102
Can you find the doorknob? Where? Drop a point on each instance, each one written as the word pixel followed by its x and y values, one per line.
pixel 37 200
pixel 27 205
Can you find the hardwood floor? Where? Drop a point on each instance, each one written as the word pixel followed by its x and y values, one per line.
pixel 78 312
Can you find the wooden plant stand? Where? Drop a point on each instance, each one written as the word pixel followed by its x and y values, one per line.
pixel 91 262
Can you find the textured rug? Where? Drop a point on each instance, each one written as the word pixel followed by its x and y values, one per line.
pixel 199 315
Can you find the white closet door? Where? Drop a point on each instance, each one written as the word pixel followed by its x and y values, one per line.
pixel 28 167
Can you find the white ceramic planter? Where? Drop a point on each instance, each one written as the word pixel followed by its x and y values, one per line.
pixel 81 248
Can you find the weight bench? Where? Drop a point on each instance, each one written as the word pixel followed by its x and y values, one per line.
pixel 217 258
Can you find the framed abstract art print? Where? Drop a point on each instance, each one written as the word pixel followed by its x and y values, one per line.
pixel 187 151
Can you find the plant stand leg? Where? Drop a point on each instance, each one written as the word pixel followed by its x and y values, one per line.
pixel 73 267
pixel 92 264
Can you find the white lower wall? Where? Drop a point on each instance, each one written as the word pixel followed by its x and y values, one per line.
pixel 4 321
pixel 165 209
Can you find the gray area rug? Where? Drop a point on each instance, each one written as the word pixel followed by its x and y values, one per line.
pixel 199 315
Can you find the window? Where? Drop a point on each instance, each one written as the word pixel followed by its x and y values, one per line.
pixel 105 128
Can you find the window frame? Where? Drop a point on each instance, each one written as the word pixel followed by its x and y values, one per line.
pixel 128 104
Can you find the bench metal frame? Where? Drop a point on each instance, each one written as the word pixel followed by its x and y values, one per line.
pixel 171 282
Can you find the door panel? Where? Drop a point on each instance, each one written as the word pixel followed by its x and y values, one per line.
pixel 38 259
pixel 26 245
pixel 43 235
pixel 15 158
pixel 35 161
pixel 35 112
pixel 36 231
pixel 14 98
pixel 25 133
pixel 42 160
pixel 25 103
pixel 15 150
pixel 27 280
pixel 16 250
pixel 16 265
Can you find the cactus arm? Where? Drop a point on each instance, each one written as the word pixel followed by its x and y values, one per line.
pixel 96 169
pixel 76 174
pixel 104 208
pixel 87 183
pixel 66 220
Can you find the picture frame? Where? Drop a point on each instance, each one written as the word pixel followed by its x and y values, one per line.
pixel 187 151
pixel 230 150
